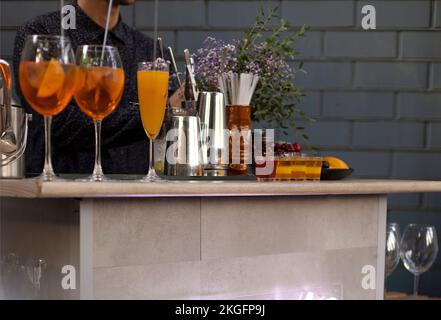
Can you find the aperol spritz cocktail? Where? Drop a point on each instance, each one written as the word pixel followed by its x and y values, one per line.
pixel 99 90
pixel 47 85
pixel 47 77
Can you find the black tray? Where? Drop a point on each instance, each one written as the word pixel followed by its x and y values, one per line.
pixel 133 177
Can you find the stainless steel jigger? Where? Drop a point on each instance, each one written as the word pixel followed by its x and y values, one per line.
pixel 211 110
pixel 184 153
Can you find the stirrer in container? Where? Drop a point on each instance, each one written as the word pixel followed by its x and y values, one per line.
pixel 61 17
pixel 106 30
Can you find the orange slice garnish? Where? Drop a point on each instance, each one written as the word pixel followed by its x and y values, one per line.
pixel 53 79
pixel 113 83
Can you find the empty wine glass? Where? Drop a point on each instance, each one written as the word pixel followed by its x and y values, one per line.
pixel 419 248
pixel 392 248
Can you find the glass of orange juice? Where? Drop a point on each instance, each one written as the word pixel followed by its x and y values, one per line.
pixel 100 86
pixel 152 93
pixel 47 77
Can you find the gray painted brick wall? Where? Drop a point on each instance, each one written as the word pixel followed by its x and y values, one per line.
pixel 436 76
pixel 401 14
pixel 419 106
pixel 383 134
pixel 376 94
pixel 15 13
pixel 330 75
pixel 421 45
pixel 361 85
pixel 179 14
pixel 339 13
pixel 355 105
pixel 437 13
pixel 435 135
pixel 361 44
pixel 391 75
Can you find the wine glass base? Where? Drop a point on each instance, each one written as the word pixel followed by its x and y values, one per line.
pixel 95 178
pixel 152 177
pixel 49 177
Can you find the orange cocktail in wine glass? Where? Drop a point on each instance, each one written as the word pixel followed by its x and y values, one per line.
pixel 99 90
pixel 47 76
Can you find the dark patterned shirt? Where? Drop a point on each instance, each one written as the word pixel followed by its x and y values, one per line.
pixel 124 144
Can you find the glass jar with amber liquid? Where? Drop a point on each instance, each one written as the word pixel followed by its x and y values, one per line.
pixel 239 126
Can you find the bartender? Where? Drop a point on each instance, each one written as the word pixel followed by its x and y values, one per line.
pixel 125 145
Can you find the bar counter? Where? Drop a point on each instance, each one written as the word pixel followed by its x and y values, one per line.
pixel 199 240
pixel 33 188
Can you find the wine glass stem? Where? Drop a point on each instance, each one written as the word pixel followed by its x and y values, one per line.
pixel 416 281
pixel 48 171
pixel 97 170
pixel 151 164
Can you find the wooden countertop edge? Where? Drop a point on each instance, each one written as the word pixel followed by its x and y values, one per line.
pixel 32 188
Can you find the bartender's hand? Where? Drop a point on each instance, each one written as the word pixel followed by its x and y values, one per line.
pixel 177 97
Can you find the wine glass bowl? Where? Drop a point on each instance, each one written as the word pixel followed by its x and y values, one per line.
pixel 99 90
pixel 47 85
pixel 100 87
pixel 419 248
pixel 392 249
pixel 47 77
pixel 395 227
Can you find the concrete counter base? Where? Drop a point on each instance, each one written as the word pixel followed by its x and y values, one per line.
pixel 197 247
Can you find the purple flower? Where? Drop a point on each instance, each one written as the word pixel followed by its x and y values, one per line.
pixel 215 58
pixel 218 57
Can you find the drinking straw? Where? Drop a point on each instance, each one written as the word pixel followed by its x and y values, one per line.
pixel 161 47
pixel 61 17
pixel 238 89
pixel 253 87
pixel 172 57
pixel 106 30
pixel 155 30
pixel 190 70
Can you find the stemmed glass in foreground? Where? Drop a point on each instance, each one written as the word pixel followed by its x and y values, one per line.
pixel 152 93
pixel 100 88
pixel 47 76
pixel 419 248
